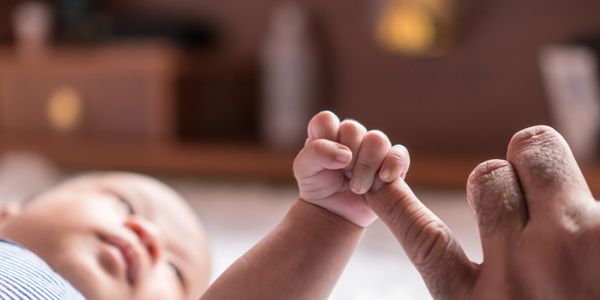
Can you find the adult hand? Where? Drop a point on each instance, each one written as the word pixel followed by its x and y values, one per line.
pixel 538 221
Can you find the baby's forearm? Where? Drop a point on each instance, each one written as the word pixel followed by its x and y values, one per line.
pixel 302 258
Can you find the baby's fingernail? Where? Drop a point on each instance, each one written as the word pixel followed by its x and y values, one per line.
pixel 356 185
pixel 385 174
pixel 343 155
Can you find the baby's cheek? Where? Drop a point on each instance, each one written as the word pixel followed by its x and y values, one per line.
pixel 78 261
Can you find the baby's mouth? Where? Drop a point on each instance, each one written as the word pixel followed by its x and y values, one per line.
pixel 130 255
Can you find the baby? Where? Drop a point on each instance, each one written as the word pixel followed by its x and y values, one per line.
pixel 127 236
pixel 114 236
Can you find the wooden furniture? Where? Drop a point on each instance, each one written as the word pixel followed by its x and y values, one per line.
pixel 231 161
pixel 120 107
pixel 468 102
pixel 116 92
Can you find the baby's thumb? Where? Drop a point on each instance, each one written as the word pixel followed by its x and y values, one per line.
pixel 427 241
pixel 319 155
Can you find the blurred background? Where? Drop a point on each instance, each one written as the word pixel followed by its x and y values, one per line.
pixel 214 97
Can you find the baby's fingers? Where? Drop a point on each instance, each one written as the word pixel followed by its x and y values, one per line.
pixel 323 125
pixel 395 165
pixel 373 151
pixel 351 134
pixel 319 155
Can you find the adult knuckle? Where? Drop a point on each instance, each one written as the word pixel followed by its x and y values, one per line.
pixel 431 242
pixel 487 170
pixel 529 140
pixel 543 152
pixel 393 211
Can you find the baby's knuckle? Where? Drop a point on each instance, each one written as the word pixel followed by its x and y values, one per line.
pixel 401 149
pixel 323 116
pixel 377 138
pixel 320 146
pixel 398 158
pixel 353 125
pixel 362 166
pixel 298 159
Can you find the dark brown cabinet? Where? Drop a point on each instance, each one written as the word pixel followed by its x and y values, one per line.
pixel 117 92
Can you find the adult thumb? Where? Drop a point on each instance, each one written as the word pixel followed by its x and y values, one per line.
pixel 427 241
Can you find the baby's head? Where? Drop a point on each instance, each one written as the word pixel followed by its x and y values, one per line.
pixel 115 236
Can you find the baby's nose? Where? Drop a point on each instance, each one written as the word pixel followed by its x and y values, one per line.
pixel 149 235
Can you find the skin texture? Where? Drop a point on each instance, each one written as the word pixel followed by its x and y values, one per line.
pixel 539 226
pixel 341 161
pixel 303 257
pixel 75 226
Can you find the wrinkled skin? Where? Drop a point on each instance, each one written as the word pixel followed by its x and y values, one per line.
pixel 538 221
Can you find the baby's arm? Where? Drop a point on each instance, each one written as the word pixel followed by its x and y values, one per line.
pixel 303 257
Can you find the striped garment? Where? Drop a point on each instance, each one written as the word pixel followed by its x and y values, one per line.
pixel 23 275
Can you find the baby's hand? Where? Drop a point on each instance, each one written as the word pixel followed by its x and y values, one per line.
pixel 340 162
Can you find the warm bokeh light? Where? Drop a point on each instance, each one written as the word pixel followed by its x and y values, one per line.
pixel 65 109
pixel 407 27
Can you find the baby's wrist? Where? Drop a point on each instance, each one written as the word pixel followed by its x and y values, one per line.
pixel 310 210
pixel 350 214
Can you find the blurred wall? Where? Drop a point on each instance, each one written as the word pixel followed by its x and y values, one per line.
pixel 4 20
pixel 470 101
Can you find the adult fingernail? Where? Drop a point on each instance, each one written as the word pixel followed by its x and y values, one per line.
pixel 343 155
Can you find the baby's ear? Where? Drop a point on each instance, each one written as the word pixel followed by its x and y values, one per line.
pixel 8 210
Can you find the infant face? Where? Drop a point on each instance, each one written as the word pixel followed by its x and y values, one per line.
pixel 116 236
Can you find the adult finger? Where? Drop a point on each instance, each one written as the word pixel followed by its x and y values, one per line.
pixel 494 193
pixel 551 179
pixel 427 241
